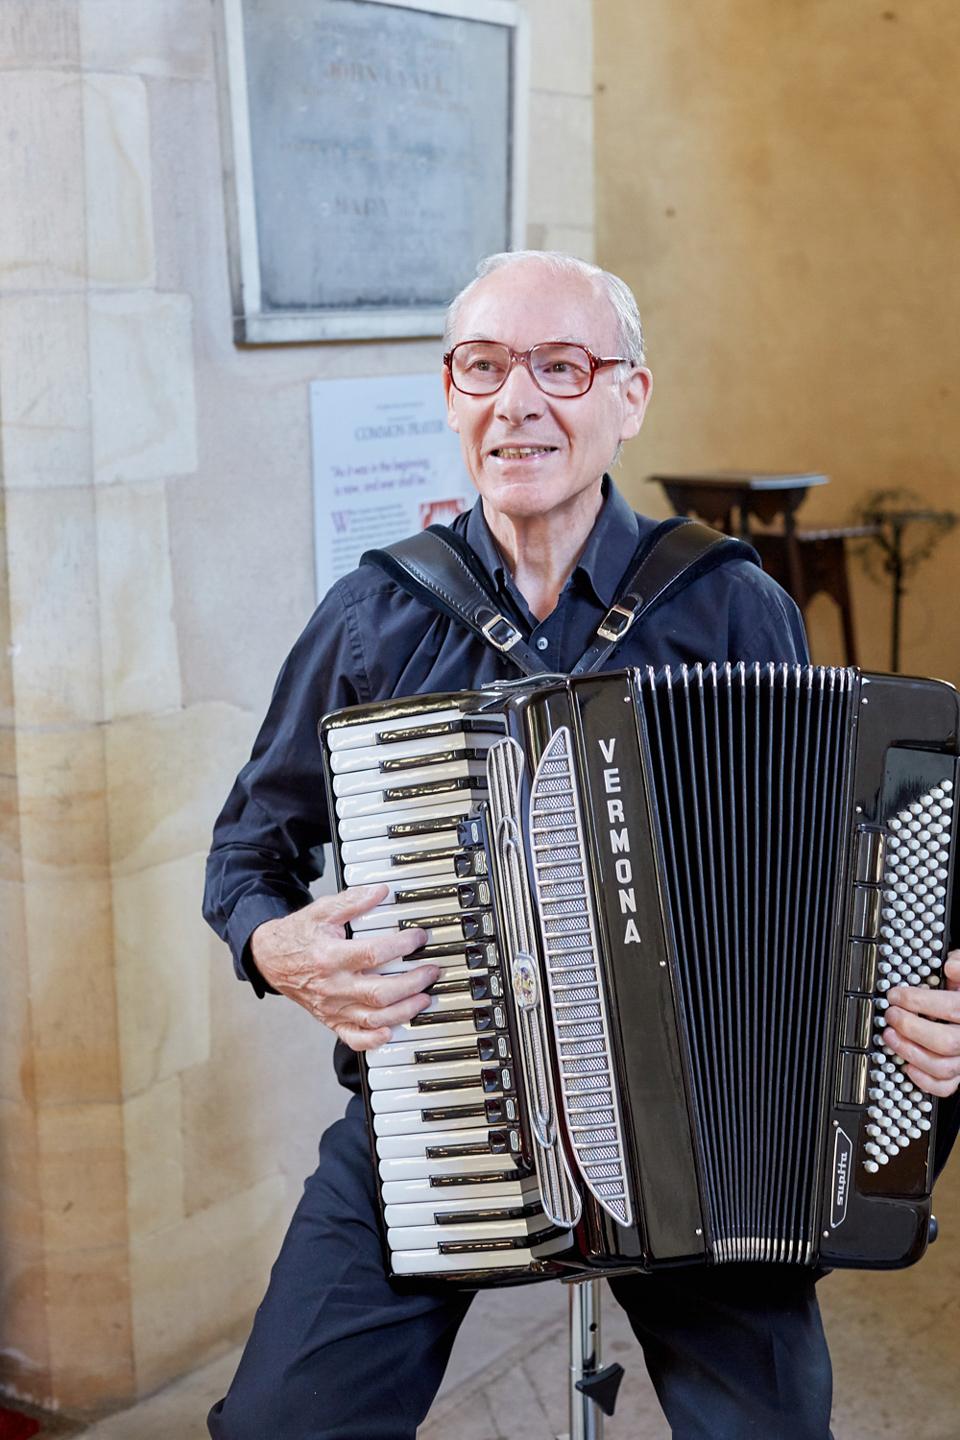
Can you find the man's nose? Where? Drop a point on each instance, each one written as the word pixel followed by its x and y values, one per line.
pixel 519 397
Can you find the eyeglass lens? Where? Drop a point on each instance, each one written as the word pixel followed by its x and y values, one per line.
pixel 480 367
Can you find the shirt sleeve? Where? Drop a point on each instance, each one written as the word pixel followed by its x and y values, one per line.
pixel 268 841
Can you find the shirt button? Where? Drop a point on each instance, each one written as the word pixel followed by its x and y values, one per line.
pixel 542 643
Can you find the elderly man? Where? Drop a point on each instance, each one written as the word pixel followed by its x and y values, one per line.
pixel 336 1352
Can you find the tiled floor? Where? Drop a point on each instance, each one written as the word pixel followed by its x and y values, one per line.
pixel 895 1339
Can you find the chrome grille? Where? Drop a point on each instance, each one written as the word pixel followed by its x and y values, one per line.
pixel 566 911
pixel 559 1196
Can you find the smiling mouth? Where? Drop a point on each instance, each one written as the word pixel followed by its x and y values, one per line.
pixel 521 452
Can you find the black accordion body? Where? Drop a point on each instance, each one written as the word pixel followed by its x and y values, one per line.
pixel 666 908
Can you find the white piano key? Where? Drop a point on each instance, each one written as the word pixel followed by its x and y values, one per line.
pixel 369 757
pixel 426 1034
pixel 488 1192
pixel 431 1262
pixel 424 1212
pixel 425 1237
pixel 390 916
pixel 411 1167
pixel 382 848
pixel 403 1077
pixel 349 737
pixel 410 1122
pixel 411 1100
pixel 365 827
pixel 382 872
pixel 401 966
pixel 372 782
pixel 415 1145
pixel 404 1052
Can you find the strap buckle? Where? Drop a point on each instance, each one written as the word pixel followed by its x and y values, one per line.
pixel 616 623
pixel 508 637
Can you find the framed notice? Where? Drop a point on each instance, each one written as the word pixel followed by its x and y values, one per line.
pixel 378 152
pixel 385 464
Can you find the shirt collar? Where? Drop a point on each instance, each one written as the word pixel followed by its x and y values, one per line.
pixel 606 555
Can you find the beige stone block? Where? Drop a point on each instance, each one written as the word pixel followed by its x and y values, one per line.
pixel 89 1319
pixel 561 46
pixel 152 37
pixel 142 384
pixel 11 869
pixel 21 1210
pixel 168 778
pixel 44 390
pixel 72 994
pixel 141 668
pixel 193 1282
pixel 61 779
pixel 116 150
pixel 152 1127
pixel 560 191
pixel 42 228
pixel 34 36
pixel 82 1177
pixel 265 1098
pixel 163 993
pixel 54 622
pixel 16 1041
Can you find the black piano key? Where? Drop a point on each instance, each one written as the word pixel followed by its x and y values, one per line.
pixel 433 826
pixel 500 1078
pixel 501 1110
pixel 515 1242
pixel 489 1177
pixel 470 862
pixel 466 725
pixel 449 987
pixel 400 763
pixel 417 857
pixel 482 1217
pixel 482 957
pixel 442 1057
pixel 429 789
pixel 454 1112
pixel 465 1082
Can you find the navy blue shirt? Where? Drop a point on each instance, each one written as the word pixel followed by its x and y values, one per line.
pixel 370 640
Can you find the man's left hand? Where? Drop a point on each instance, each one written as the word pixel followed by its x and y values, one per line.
pixel 923 1026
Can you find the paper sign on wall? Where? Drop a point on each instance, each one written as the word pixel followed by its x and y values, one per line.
pixel 385 464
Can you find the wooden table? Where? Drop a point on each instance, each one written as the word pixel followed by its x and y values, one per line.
pixel 714 495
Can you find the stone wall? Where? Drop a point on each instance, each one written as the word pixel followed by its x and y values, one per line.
pixel 778 183
pixel 156 1120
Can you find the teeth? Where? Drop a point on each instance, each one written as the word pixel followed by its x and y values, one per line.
pixel 518 453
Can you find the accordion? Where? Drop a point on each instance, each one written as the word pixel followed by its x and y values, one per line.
pixel 666 908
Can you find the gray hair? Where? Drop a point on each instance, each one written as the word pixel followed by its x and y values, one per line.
pixel 629 329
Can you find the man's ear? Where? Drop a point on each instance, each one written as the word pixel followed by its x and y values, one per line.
pixel 449 391
pixel 636 398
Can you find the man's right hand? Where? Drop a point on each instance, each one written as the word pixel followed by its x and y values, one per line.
pixel 307 957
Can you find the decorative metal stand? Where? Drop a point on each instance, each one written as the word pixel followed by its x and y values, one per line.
pixel 889 515
pixel 593 1390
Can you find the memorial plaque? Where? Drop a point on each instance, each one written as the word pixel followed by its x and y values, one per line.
pixel 376 159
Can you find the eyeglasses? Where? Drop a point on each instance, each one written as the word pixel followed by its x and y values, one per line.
pixel 481 367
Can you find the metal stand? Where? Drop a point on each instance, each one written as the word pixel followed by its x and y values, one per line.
pixel 593 1391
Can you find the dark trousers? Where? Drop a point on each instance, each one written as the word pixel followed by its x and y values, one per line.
pixel 735 1353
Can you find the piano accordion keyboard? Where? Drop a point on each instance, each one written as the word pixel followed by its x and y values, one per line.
pixel 455 1175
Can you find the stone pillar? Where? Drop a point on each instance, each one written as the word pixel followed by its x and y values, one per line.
pixel 155 566
pixel 106 993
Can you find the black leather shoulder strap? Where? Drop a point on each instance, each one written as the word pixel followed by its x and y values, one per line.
pixel 678 552
pixel 438 567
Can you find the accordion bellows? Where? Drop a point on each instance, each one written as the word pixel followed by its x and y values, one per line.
pixel 667 908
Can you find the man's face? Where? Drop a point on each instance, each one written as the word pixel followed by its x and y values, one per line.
pixel 529 453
